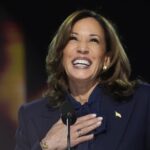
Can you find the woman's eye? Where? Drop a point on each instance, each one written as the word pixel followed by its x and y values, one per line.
pixel 72 38
pixel 94 40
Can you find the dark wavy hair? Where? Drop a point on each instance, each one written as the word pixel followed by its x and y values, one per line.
pixel 115 79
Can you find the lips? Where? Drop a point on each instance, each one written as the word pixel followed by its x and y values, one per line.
pixel 81 63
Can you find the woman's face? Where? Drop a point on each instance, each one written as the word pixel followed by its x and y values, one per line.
pixel 84 54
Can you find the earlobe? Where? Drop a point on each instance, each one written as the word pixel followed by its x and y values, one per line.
pixel 104 67
pixel 106 62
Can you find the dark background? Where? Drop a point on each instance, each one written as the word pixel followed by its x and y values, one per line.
pixel 39 21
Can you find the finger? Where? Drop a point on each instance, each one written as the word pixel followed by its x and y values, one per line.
pixel 83 139
pixel 84 118
pixel 89 123
pixel 88 129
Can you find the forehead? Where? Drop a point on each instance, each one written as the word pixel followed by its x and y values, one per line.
pixel 88 24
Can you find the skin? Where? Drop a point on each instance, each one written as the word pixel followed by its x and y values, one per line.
pixel 56 137
pixel 87 42
pixel 83 57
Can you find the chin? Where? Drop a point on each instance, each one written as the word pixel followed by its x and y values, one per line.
pixel 82 78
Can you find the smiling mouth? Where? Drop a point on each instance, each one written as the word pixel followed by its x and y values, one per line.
pixel 81 63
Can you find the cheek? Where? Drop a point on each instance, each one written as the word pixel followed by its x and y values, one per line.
pixel 66 59
pixel 67 52
pixel 99 60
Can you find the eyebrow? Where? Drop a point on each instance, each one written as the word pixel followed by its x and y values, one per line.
pixel 96 35
pixel 74 33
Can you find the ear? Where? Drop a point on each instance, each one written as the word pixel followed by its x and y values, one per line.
pixel 106 62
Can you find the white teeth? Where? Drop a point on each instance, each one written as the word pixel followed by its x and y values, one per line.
pixel 81 61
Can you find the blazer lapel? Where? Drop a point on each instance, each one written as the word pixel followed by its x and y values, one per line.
pixel 117 116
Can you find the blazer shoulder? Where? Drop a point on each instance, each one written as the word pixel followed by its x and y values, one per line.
pixel 143 89
pixel 35 107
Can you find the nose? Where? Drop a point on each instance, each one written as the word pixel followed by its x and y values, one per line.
pixel 83 48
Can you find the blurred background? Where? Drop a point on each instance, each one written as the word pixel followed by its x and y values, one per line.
pixel 26 29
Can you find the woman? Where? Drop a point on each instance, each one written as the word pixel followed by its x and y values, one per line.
pixel 88 67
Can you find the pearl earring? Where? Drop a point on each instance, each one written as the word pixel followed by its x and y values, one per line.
pixel 105 67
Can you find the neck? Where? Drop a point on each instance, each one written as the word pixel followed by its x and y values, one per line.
pixel 81 92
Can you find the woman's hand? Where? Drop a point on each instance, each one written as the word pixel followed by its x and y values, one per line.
pixel 56 137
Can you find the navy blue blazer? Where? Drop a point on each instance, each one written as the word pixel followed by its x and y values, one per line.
pixel 128 123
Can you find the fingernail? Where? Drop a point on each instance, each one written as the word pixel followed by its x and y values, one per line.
pixel 92 135
pixel 100 118
pixel 93 115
